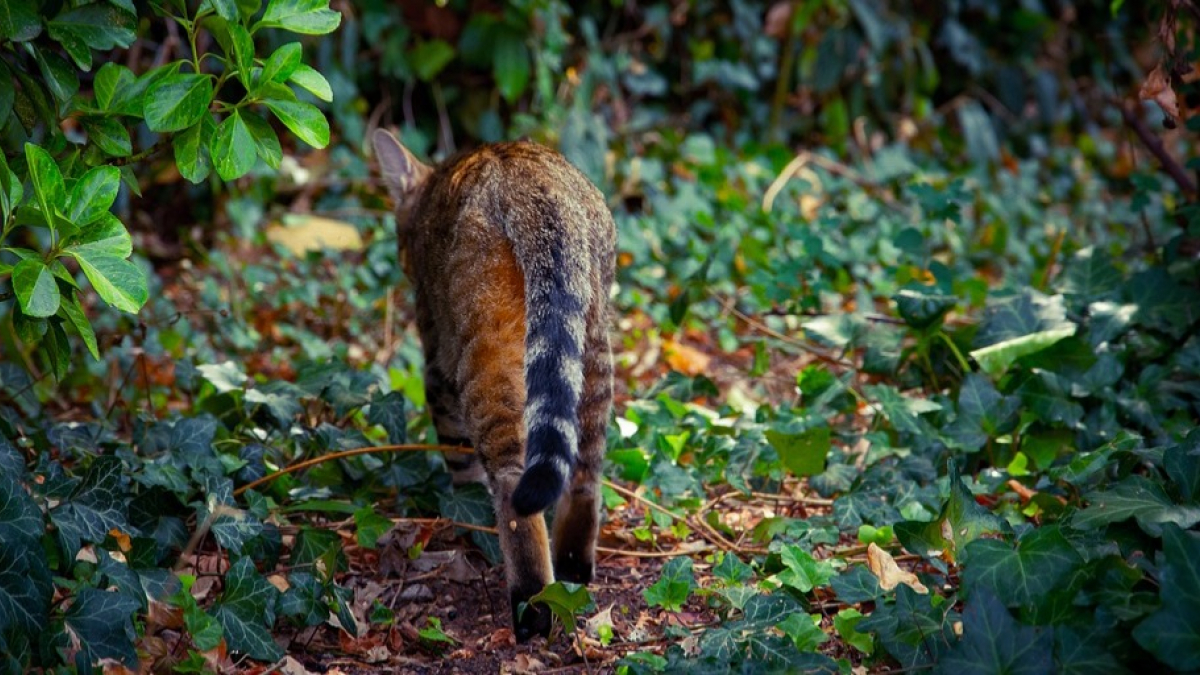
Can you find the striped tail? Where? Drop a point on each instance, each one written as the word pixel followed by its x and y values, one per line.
pixel 556 295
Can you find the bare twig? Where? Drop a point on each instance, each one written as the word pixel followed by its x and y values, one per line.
pixel 1155 145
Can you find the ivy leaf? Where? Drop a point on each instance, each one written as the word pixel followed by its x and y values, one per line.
pixel 303 119
pixel 856 585
pixel 802 453
pixel 103 622
pixel 20 517
pixel 307 17
pixel 303 601
pixel 804 630
pixel 913 630
pixel 26 588
pixel 178 101
pixel 1042 558
pixel 1134 497
pixel 565 600
pixel 846 623
pixel 921 307
pixel 803 572
pixel 674 585
pixel 961 521
pixel 1173 632
pixel 233 148
pixel 95 506
pixel 312 81
pixel 246 611
pixel 35 288
pixel 1091 276
pixel 93 195
pixel 993 642
pixel 119 282
pixel 388 411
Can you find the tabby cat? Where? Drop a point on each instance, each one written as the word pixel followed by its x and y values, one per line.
pixel 511 252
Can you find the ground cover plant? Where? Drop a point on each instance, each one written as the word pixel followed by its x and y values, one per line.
pixel 908 337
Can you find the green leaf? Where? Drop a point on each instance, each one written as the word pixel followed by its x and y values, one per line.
pixel 565 600
pixel 233 149
pixel 109 135
pixel 93 195
pixel 95 506
pixel 846 624
pixel 1182 464
pixel 47 179
pixel 192 155
pixel 282 63
pixel 996 358
pixel 962 518
pixel 1134 497
pixel 119 282
pixel 804 630
pixel 803 572
pixel 111 81
pixel 310 80
pixel 510 64
pixel 304 599
pixel 226 9
pixel 59 75
pixel 674 585
pixel 103 622
pixel 369 526
pixel 35 288
pixel 73 312
pixel 106 236
pixel 178 101
pixel 304 120
pixel 266 143
pixel 307 17
pixel 97 25
pixel 7 94
pixel 25 585
pixel 914 630
pixel 1173 632
pixel 429 57
pixel 389 412
pixel 921 307
pixel 1042 558
pixel 243 52
pixel 246 611
pixel 802 453
pixel 993 642
pixel 1091 276
pixel 19 21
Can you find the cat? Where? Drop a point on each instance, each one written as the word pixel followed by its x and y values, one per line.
pixel 511 252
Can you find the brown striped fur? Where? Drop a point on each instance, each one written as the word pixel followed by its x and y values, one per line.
pixel 510 250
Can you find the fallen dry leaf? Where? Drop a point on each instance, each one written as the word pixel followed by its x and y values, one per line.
pixel 523 664
pixel 301 233
pixel 685 359
pixel 883 565
pixel 1157 88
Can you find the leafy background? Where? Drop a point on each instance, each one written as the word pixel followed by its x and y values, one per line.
pixel 907 318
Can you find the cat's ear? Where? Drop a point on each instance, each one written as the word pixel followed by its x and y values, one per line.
pixel 402 172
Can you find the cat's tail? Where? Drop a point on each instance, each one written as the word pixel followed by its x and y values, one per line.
pixel 556 297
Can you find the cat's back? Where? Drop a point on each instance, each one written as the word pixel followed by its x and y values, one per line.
pixel 515 187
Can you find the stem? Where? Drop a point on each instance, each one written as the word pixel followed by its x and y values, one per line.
pixel 962 360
